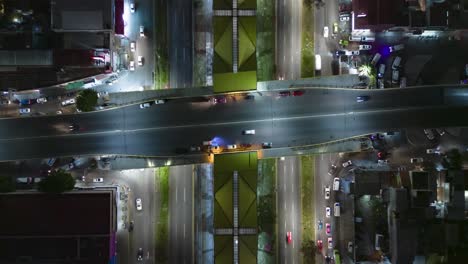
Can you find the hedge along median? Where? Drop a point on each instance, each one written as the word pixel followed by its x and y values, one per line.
pixel 307 40
pixel 162 225
pixel 265 40
pixel 161 67
pixel 308 210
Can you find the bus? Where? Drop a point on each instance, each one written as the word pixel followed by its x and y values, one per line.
pixel 337 257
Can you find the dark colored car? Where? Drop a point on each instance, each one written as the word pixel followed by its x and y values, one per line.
pixel 249 97
pixel 298 93
pixel 74 127
pixel 267 145
pixel 130 227
pixel 285 93
pixel 332 169
pixel 362 98
pixel 219 100
pixel 140 254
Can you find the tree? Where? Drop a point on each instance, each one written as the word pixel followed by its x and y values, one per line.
pixel 309 250
pixel 7 184
pixel 86 100
pixel 57 182
pixel 452 160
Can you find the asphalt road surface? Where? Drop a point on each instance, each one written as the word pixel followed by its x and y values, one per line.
pixel 181 216
pixel 181 43
pixel 320 115
pixel 289 209
pixel 288 39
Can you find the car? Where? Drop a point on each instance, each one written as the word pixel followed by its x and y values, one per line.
pixel 351 52
pixel 348 163
pixel 25 111
pixel 381 83
pixel 403 82
pixel 344 17
pixel 58 112
pixel 318 62
pixel 284 93
pixel 440 131
pixel 328 228
pixel 362 98
pixel 433 151
pixel 327 259
pixel 140 60
pixel 132 65
pixel 336 209
pixel 376 58
pixel 68 102
pixel 233 146
pixel 396 63
pixel 416 160
pixel 98 180
pixel 248 132
pixel 139 206
pixel 365 47
pixel 102 94
pixel 340 53
pixel 267 145
pixel 132 7
pixel 319 245
pixel 330 243
pixel 429 134
pixel 350 247
pixel 74 127
pixel 142 31
pixel 145 105
pixel 381 72
pixel 298 93
pixel 132 46
pixel 219 100
pixel 160 101
pixel 195 148
pixel 395 76
pixel 327 192
pixel 130 226
pixel 382 161
pixel 396 47
pixel 335 28
pixel 327 211
pixel 336 184
pixel 289 237
pixel 319 225
pixel 41 100
pixel 381 155
pixel 111 80
pixel 325 32
pixel 140 254
pixel 332 169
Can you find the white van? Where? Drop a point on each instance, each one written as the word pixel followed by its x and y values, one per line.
pixel 336 209
pixel 336 184
pixel 318 62
pixel 376 58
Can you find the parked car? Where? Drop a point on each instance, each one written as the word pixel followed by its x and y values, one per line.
pixel 138 203
pixel 25 111
pixel 344 17
pixel 440 131
pixel 142 31
pixel 132 7
pixel 336 209
pixel 298 93
pixel 98 180
pixel 433 151
pixel 132 46
pixel 335 28
pixel 429 134
pixel 381 72
pixel 140 60
pixel 330 243
pixel 395 76
pixel 68 102
pixel 376 58
pixel 396 63
pixel 327 211
pixel 132 65
pixel 41 100
pixel 327 192
pixel 352 52
pixel 403 82
pixel 346 164
pixel 233 146
pixel 336 184
pixel 350 247
pixel 416 160
pixel 396 47
pixel 145 105
pixel 328 228
pixel 284 93
pixel 365 47
pixel 160 101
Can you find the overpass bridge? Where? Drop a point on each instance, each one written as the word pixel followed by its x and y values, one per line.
pixel 320 115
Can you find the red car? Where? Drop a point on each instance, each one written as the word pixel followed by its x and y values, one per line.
pixel 298 93
pixel 328 228
pixel 285 93
pixel 219 100
pixel 289 237
pixel 319 245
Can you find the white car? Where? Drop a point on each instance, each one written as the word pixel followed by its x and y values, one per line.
pixel 68 102
pixel 138 204
pixel 327 192
pixel 25 110
pixel 352 52
pixel 336 184
pixel 350 247
pixel 160 101
pixel 132 7
pixel 145 105
pixel 102 94
pixel 59 112
pixel 132 65
pixel 98 180
pixel 249 132
pixel 432 151
pixel 397 47
pixel 41 100
pixel 344 17
pixel 346 164
pixel 233 146
pixel 327 211
pixel 132 46
pixel 417 160
pixel 318 62
pixel 325 32
pixel 330 243
pixel 365 47
pixel 142 31
pixel 140 60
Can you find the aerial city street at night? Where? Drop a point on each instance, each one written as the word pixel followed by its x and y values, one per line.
pixel 234 131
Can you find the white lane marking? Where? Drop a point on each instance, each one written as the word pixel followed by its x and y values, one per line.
pixel 176 193
pixel 184 195
pixel 321 156
pixel 284 224
pixel 184 230
pixel 292 188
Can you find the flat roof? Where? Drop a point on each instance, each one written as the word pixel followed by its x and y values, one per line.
pixel 68 15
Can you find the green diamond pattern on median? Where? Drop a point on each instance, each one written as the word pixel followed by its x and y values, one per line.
pixel 224 199
pixel 246 47
pixel 247 198
pixel 224 45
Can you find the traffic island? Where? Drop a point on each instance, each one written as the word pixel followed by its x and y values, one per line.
pixel 162 223
pixel 308 210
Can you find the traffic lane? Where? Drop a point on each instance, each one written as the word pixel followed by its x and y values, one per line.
pixel 282 132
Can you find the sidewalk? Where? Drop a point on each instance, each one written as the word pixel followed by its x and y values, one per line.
pixel 339 81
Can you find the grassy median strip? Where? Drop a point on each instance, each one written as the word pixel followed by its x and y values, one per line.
pixel 308 210
pixel 307 39
pixel 161 66
pixel 265 40
pixel 162 228
pixel 266 204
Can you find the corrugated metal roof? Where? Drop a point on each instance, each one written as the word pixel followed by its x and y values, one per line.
pixel 26 58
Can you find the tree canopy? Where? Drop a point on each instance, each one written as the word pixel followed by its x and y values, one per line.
pixel 57 182
pixel 7 184
pixel 86 100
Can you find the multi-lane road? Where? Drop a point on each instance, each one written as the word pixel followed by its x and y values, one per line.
pixel 285 121
pixel 181 214
pixel 289 209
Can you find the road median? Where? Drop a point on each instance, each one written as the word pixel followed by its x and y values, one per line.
pixel 162 223
pixel 308 211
